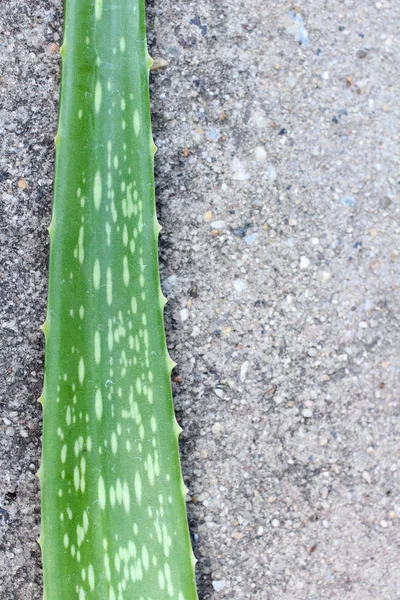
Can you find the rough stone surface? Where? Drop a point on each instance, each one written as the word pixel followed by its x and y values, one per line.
pixel 279 120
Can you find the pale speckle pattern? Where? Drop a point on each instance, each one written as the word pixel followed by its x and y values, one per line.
pixel 112 466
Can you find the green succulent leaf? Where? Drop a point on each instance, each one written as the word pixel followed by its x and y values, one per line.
pixel 114 523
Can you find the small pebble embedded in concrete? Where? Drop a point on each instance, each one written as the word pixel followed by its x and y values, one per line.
pixel 220 224
pixel 239 170
pixel 304 262
pixel 307 413
pixel 240 286
pixel 348 201
pixel 325 276
pixel 184 314
pixel 219 585
pixel 250 239
pixel 260 154
pixel 366 476
pixel 271 173
pixel 275 523
pixel 243 371
pixel 216 428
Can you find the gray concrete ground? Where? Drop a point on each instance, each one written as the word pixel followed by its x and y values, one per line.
pixel 278 190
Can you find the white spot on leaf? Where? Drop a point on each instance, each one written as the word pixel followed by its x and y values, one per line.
pixel 138 487
pixel 97 190
pixel 91 577
pixel 97 97
pixel 81 250
pixel 101 493
pixel 125 270
pixel 99 405
pixel 126 497
pixel 96 274
pixel 81 370
pixel 98 9
pixel 76 478
pixel 97 347
pixel 136 122
pixel 109 288
pixel 114 443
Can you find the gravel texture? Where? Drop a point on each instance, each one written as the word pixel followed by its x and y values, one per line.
pixel 278 191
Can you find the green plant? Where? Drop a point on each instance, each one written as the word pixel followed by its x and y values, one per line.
pixel 113 500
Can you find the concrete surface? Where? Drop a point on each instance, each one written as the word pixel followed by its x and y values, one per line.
pixel 278 190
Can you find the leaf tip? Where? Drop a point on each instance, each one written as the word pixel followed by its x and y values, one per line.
pixel 171 364
pixel 149 61
pixel 184 489
pixel 193 560
pixel 178 429
pixel 45 327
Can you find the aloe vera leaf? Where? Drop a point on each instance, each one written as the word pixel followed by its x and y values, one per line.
pixel 114 523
